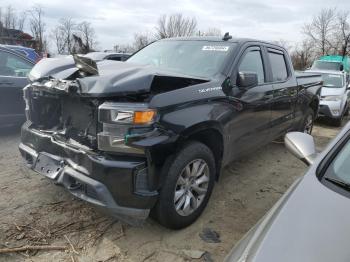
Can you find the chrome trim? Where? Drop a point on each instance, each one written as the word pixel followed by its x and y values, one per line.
pixel 106 142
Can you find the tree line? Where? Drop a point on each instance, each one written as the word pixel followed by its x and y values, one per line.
pixel 68 36
pixel 173 25
pixel 328 33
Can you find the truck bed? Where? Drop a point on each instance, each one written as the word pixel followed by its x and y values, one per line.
pixel 312 81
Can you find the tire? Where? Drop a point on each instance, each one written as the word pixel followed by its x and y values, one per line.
pixel 192 155
pixel 337 122
pixel 308 122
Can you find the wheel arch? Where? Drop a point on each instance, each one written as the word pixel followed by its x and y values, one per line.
pixel 314 105
pixel 210 134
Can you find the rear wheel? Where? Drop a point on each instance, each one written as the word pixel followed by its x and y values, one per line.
pixel 188 183
pixel 308 122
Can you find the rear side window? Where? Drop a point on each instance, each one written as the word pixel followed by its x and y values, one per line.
pixel 252 62
pixel 278 66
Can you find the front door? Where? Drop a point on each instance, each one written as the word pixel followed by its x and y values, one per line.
pixel 251 123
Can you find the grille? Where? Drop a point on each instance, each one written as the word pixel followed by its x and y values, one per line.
pixel 70 117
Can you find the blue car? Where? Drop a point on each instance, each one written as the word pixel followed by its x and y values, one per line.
pixel 29 53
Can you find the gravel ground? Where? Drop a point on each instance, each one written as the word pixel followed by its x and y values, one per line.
pixel 36 212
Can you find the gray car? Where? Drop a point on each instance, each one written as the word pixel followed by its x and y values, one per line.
pixel 14 68
pixel 311 221
pixel 99 56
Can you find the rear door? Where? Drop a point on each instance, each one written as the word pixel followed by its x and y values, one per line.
pixel 251 123
pixel 13 78
pixel 285 91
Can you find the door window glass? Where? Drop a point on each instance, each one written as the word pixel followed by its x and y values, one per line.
pixel 278 67
pixel 252 62
pixel 12 65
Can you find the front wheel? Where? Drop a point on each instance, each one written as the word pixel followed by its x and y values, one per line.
pixel 337 122
pixel 186 189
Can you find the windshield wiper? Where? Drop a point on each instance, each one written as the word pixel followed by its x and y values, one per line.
pixel 339 183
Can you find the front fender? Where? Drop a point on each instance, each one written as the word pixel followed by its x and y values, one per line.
pixel 210 114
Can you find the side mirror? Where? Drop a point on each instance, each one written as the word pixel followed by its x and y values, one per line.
pixel 301 145
pixel 247 79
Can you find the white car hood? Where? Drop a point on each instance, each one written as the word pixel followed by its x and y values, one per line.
pixel 327 91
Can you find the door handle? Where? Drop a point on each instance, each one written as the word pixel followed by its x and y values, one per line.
pixel 7 83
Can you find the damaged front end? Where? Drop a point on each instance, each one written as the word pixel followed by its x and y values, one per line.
pixel 85 144
pixel 84 122
pixel 95 132
pixel 81 144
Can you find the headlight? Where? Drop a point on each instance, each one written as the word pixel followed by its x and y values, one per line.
pixel 332 98
pixel 117 119
pixel 125 113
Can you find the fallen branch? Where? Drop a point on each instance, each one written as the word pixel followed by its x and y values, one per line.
pixel 26 248
pixel 71 245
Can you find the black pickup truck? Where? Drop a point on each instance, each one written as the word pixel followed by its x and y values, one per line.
pixel 150 135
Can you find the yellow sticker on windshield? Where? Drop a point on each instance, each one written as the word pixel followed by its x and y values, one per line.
pixel 215 48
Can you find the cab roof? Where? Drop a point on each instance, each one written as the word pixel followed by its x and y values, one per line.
pixel 211 38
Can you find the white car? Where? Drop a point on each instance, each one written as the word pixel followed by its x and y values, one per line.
pixel 334 103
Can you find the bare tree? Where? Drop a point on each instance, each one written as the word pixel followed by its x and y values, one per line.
pixel 67 27
pixel 37 25
pixel 87 35
pixel 212 31
pixel 175 25
pixel 57 37
pixel 9 18
pixel 21 20
pixel 344 31
pixel 303 55
pixel 141 40
pixel 321 30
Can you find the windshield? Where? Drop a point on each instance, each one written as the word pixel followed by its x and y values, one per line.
pixel 323 65
pixel 333 81
pixel 197 58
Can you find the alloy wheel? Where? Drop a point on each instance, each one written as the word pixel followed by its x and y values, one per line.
pixel 309 125
pixel 191 187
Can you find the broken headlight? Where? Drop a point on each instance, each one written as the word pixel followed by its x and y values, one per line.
pixel 117 119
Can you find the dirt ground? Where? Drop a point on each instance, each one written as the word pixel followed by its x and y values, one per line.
pixel 33 211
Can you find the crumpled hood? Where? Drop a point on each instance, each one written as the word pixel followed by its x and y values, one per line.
pixel 115 78
pixel 327 91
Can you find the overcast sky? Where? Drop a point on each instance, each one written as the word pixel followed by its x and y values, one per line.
pixel 116 21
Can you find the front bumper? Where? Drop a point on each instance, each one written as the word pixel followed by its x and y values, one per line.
pixel 330 110
pixel 117 184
